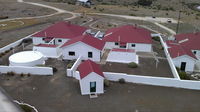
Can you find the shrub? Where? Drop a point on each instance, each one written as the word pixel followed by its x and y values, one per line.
pixel 156 39
pixel 132 65
pixel 132 15
pixel 183 75
pixel 10 73
pixel 22 75
pixel 69 65
pixel 26 108
pixel 106 83
pixel 28 74
pixel 145 2
pixel 55 69
pixel 122 81
pixel 27 40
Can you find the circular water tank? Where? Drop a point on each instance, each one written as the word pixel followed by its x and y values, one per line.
pixel 27 58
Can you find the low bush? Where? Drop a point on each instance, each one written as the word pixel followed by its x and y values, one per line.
pixel 7 51
pixel 122 81
pixel 132 65
pixel 183 75
pixel 26 108
pixel 10 73
pixel 106 83
pixel 71 63
pixel 156 39
pixel 22 75
pixel 27 40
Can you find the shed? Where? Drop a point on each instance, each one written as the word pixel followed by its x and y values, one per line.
pixel 91 78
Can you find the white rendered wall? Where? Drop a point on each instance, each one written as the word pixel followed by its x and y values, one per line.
pixel 156 81
pixel 169 59
pixel 197 54
pixel 28 64
pixel 39 40
pixel 189 62
pixel 92 77
pixel 138 46
pixel 51 52
pixel 26 70
pixel 122 57
pixel 81 49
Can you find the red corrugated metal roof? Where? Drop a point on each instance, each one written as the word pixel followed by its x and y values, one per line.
pixel 189 40
pixel 46 45
pixel 62 30
pixel 87 39
pixel 88 66
pixel 123 50
pixel 178 50
pixel 128 34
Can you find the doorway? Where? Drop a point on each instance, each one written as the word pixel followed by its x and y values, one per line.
pixel 183 65
pixel 92 86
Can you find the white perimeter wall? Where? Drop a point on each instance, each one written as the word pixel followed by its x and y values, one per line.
pixel 92 77
pixel 26 70
pixel 39 40
pixel 170 61
pixel 81 49
pixel 123 57
pixel 190 62
pixel 14 44
pixel 52 52
pixel 138 46
pixel 156 81
pixel 71 71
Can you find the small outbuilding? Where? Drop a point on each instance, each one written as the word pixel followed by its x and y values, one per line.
pixel 182 57
pixel 122 56
pixel 91 78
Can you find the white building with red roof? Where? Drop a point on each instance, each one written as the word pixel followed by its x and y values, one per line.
pixel 86 46
pixel 182 56
pixel 185 51
pixel 129 37
pixel 190 41
pixel 91 78
pixel 49 40
pixel 58 33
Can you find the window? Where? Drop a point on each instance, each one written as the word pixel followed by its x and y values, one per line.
pixel 195 52
pixel 71 53
pixel 116 43
pixel 59 40
pixel 133 45
pixel 89 54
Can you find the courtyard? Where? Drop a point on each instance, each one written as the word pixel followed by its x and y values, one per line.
pixel 59 93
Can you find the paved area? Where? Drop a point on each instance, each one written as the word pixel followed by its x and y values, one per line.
pixel 146 67
pixel 59 93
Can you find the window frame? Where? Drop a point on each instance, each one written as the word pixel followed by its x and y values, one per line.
pixel 71 54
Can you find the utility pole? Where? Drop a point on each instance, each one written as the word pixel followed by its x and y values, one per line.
pixel 179 17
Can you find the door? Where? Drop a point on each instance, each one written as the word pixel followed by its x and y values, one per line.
pixel 92 87
pixel 183 65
